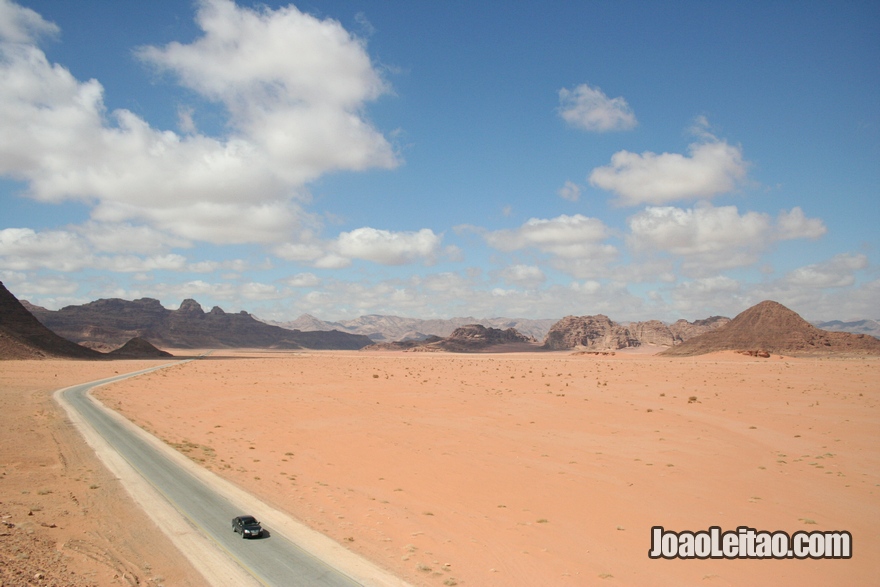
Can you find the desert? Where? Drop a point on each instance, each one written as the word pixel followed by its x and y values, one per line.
pixel 537 469
pixel 482 458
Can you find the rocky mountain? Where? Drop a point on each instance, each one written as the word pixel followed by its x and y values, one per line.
pixel 771 327
pixel 395 328
pixel 23 337
pixel 114 322
pixel 603 334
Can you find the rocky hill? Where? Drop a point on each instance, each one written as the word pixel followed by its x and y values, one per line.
pixel 476 337
pixel 114 322
pixel 138 348
pixel 600 333
pixel 771 327
pixel 23 337
pixel 396 328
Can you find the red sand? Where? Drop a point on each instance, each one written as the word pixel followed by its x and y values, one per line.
pixel 538 469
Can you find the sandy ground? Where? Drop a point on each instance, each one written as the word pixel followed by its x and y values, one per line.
pixel 539 469
pixel 65 519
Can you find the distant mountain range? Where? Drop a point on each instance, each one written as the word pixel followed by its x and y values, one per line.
pixel 380 328
pixel 394 328
pixel 109 324
pixel 871 327
pixel 112 322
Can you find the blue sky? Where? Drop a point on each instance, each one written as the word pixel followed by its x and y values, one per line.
pixel 522 159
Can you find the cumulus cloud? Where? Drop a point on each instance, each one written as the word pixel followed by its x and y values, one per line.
pixel 590 109
pixel 713 167
pixel 387 247
pixel 710 238
pixel 294 86
pixel 564 236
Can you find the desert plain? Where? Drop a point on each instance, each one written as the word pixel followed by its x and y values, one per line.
pixel 508 469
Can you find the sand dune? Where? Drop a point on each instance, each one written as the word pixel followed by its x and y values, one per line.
pixel 542 469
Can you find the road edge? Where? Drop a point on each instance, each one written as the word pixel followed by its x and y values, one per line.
pixel 360 569
pixel 205 556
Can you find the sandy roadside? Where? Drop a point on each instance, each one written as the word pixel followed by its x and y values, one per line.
pixel 67 521
pixel 538 469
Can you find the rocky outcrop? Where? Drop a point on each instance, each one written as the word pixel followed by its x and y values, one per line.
pixel 475 337
pixel 114 322
pixel 653 332
pixel 601 333
pixel 589 333
pixel 771 327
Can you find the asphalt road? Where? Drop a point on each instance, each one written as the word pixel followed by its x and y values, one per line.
pixel 273 560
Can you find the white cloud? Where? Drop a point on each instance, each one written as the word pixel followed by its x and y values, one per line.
pixel 86 247
pixel 794 224
pixel 22 25
pixel 294 86
pixel 838 271
pixel 386 247
pixel 713 167
pixel 23 249
pixel 565 236
pixel 303 280
pixel 570 191
pixel 710 238
pixel 701 298
pixel 259 291
pixel 133 264
pixel 126 238
pixel 590 109
pixel 524 275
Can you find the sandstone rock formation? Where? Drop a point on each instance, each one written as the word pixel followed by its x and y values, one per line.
pixel 589 333
pixel 601 333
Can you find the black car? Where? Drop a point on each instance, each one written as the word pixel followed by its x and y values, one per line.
pixel 247 526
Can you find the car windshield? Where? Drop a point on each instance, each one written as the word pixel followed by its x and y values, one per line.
pixel 248 520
